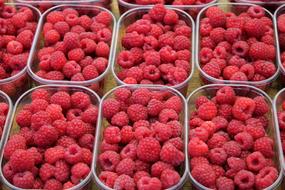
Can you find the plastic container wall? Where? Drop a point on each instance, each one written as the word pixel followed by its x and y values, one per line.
pixel 13 127
pixel 240 90
pixel 207 79
pixel 96 83
pixel 130 17
pixel 102 123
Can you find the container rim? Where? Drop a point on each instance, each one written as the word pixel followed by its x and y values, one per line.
pixel 7 131
pixel 100 116
pixel 278 181
pixel 23 71
pixel 36 2
pixel 277 124
pixel 37 39
pixel 120 21
pixel 133 5
pixel 276 14
pixel 215 80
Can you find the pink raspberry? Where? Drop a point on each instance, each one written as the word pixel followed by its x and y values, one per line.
pixel 171 155
pixel 169 178
pixel 148 149
pixel 244 179
pixel 255 161
pixel 108 178
pixel 149 183
pixel 196 147
pixel 204 174
pixel 124 182
pixel 125 166
pixel 266 177
pixel 217 156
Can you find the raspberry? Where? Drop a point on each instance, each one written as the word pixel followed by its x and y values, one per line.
pixel 61 171
pixel 24 180
pixel 236 164
pixel 125 166
pixel 23 118
pixel 129 151
pixel 54 154
pixel 109 156
pixel 148 149
pixel 167 115
pixel 55 16
pixel 112 135
pixel 124 182
pixel 54 111
pixel 255 161
pixel 225 183
pixel 71 41
pixel 245 140
pixel 265 146
pixel 197 161
pixel 240 48
pixel 217 17
pixel 73 154
pixel 257 50
pixel 199 132
pixel 70 69
pixel 61 27
pixel 204 174
pixel 232 148
pixel 157 12
pixel 76 128
pixel 171 155
pixel 51 37
pixel 235 127
pixel 90 72
pixel 86 141
pixel 36 154
pixel 61 98
pixel 137 112
pixel 170 17
pixel 201 100
pixel 110 107
pixel 212 69
pixel 80 100
pixel 196 147
pixel 254 28
pixel 142 166
pixel 45 136
pixel 22 160
pixel 79 172
pixel 243 108
pixel 104 18
pixel 54 75
pixel 108 178
pixel 220 122
pixel 266 177
pixel 46 171
pixel 53 184
pixel 225 95
pixel 244 179
pixel 149 183
pixel 207 111
pixel 169 178
pixel 14 143
pixel 217 156
pixel 141 96
pixel 256 131
pixel 216 141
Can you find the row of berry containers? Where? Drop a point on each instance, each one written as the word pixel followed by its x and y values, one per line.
pixel 133 142
pixel 218 49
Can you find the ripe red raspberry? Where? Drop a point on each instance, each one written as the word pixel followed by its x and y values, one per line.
pixel 125 166
pixel 51 37
pixel 162 131
pixel 225 95
pixel 236 164
pixel 232 148
pixel 204 174
pixel 245 140
pixel 255 161
pixel 8 172
pixel 109 160
pixel 141 96
pixel 79 172
pixel 254 28
pixel 146 182
pixel 255 130
pixel 61 98
pixel 39 119
pixel 104 18
pixel 14 143
pixel 70 69
pixel 61 27
pixel 129 151
pixel 169 178
pixel 80 100
pixel 171 155
pixel 124 182
pixel 261 107
pixel 38 105
pixel 207 111
pixel 225 183
pixel 38 157
pixel 199 132
pixel 170 17
pixel 219 171
pixel 127 134
pixel 108 178
pixel 71 41
pixel 220 122
pixel 54 111
pixel 86 141
pixel 45 136
pixel 148 149
pixel 62 171
pixel 217 156
pixel 122 94
pixel 212 69
pixel 54 154
pixel 235 127
pixel 264 68
pixel 257 50
pixel 229 71
pixel 73 154
pixel 46 171
pixel 55 16
pixel 240 48
pixel 266 177
pixel 112 135
pixel 23 118
pixel 217 17
pixel 125 59
pixel 52 184
pixel 197 161
pixel 264 145
pixel 167 115
pixel 244 179
pixel 243 108
pixel 196 147
pixel 157 12
pixel 22 160
pixel 110 107
pixel 76 128
pixel 154 107
pixel 24 180
pixel 53 75
pixel 137 112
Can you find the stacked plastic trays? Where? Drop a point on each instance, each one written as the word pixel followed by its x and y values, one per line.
pixel 94 82
pixel 20 128
pixel 195 100
pixel 258 80
pixel 193 10
pixel 18 80
pixel 129 18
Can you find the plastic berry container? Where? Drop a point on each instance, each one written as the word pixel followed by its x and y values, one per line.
pixel 43 5
pixel 235 8
pixel 247 91
pixel 15 85
pixel 130 17
pixel 14 127
pixel 103 123
pixel 95 83
pixel 193 10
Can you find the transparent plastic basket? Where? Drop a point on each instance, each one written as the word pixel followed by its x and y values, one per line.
pixel 193 10
pixel 130 17
pixel 13 127
pixel 278 12
pixel 14 86
pixel 240 90
pixel 277 104
pixel 102 124
pixel 37 45
pixel 207 79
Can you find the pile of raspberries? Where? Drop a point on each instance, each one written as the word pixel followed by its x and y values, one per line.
pixel 53 148
pixel 4 109
pixel 228 142
pixel 76 45
pixel 142 145
pixel 157 49
pixel 17 27
pixel 170 2
pixel 237 47
pixel 281 121
pixel 281 35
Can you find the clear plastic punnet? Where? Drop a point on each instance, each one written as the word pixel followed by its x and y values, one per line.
pixel 103 123
pixel 247 91
pixel 130 17
pixel 14 127
pixel 207 79
pixel 33 66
